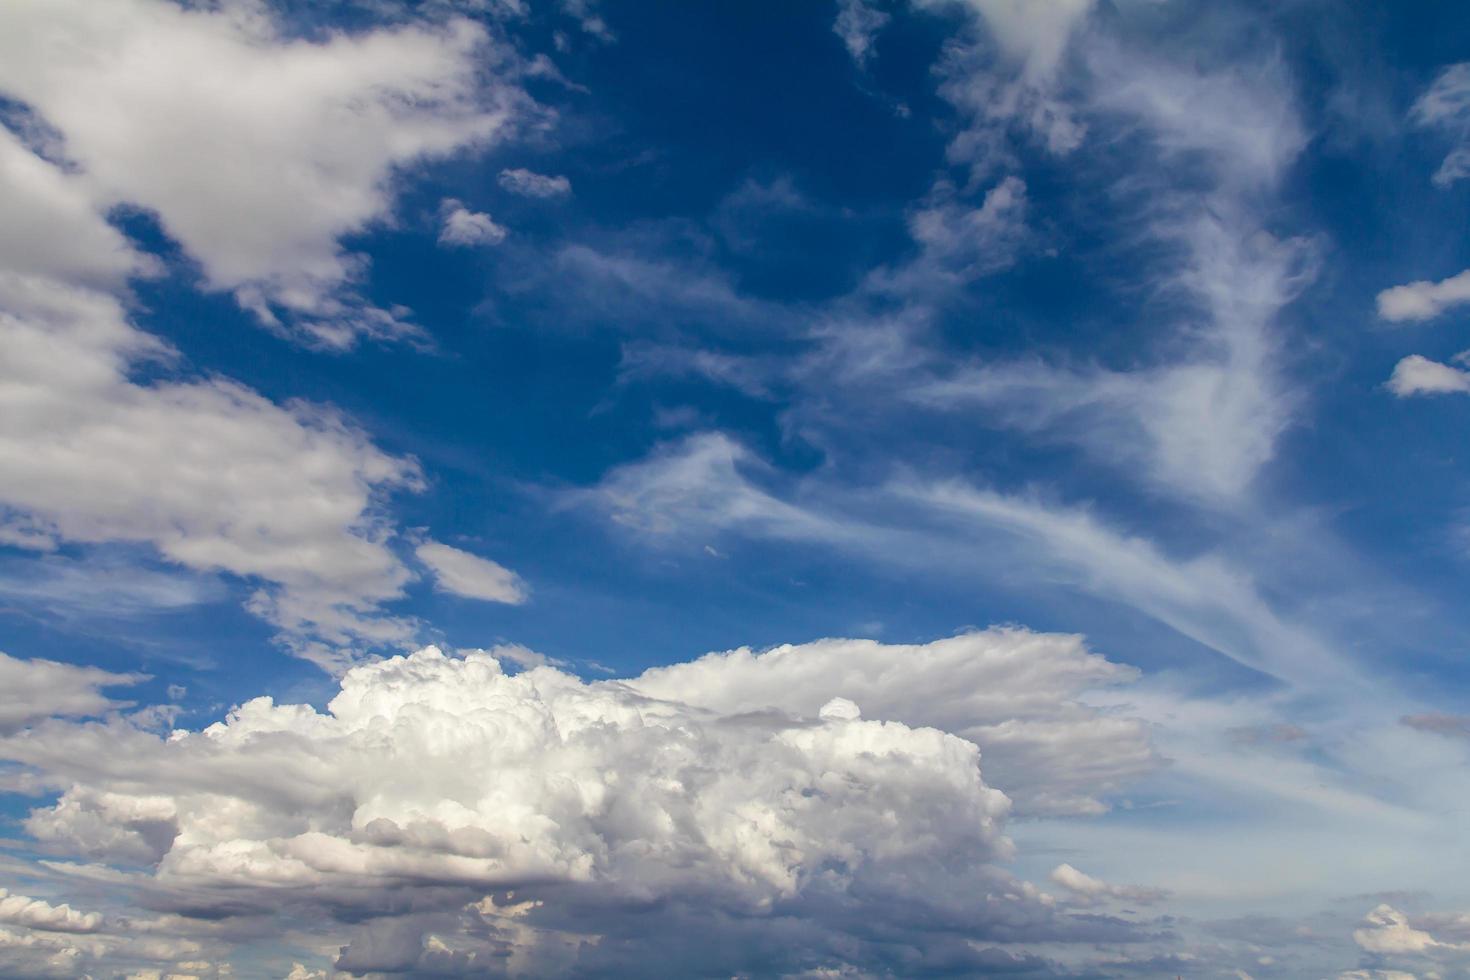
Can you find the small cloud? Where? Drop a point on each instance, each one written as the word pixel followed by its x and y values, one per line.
pixel 471 576
pixel 1423 300
pixel 1417 375
pixel 463 228
pixel 528 183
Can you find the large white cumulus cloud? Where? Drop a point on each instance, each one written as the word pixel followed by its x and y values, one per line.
pixel 459 809
pixel 1013 692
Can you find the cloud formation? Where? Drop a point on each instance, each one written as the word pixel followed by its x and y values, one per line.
pixel 737 788
pixel 528 183
pixel 257 151
pixel 471 576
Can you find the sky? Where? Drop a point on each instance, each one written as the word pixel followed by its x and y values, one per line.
pixel 862 489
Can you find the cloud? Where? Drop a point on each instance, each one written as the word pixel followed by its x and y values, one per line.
pixel 1089 890
pixel 1445 106
pixel 432 787
pixel 51 225
pixel 708 482
pixel 1202 422
pixel 464 228
pixel 1022 86
pixel 36 914
pixel 1418 375
pixel 32 690
pixel 1387 930
pixel 1014 693
pixel 1424 300
pixel 858 24
pixel 258 152
pixel 208 472
pixel 958 243
pixel 471 576
pixel 528 183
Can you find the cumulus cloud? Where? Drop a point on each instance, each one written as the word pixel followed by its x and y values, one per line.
pixel 471 576
pixel 258 152
pixel 31 690
pixel 528 183
pixel 1424 300
pixel 433 787
pixel 1387 930
pixel 36 914
pixel 465 228
pixel 211 474
pixel 1445 106
pixel 1418 375
pixel 1014 693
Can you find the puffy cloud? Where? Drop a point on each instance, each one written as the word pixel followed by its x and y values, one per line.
pixel 1424 300
pixel 1387 930
pixel 36 914
pixel 51 226
pixel 464 228
pixel 1013 692
pixel 528 183
pixel 1445 105
pixel 208 472
pixel 1418 375
pixel 470 575
pixel 32 690
pixel 432 781
pixel 258 152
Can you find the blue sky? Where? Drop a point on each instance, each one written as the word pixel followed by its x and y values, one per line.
pixel 1078 382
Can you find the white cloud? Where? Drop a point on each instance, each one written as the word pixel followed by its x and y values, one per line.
pixel 858 24
pixel 1418 375
pixel 1204 422
pixel 470 575
pixel 1089 890
pixel 257 152
pixel 51 226
pixel 1388 931
pixel 528 183
pixel 209 473
pixel 436 784
pixel 33 913
pixel 464 228
pixel 1424 300
pixel 708 483
pixel 32 690
pixel 1445 105
pixel 1014 693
